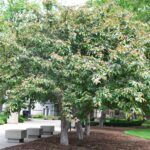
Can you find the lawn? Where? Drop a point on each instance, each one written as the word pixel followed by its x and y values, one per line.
pixel 143 133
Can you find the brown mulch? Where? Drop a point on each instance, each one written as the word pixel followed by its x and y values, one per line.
pixel 100 139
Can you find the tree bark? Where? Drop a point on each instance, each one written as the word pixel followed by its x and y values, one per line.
pixel 64 132
pixel 79 132
pixel 1 106
pixel 29 109
pixel 87 126
pixel 102 118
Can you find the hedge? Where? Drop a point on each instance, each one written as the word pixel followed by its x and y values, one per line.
pixel 146 124
pixel 119 123
pixel 122 122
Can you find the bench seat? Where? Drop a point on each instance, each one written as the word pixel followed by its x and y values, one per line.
pixel 46 130
pixel 16 135
pixel 34 132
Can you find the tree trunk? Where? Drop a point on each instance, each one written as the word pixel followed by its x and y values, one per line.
pixel 102 118
pixel 64 123
pixel 64 132
pixel 29 109
pixel 87 126
pixel 1 107
pixel 79 132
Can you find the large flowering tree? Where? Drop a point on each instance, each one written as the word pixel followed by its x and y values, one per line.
pixel 85 58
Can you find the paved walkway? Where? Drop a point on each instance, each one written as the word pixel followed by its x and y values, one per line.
pixel 33 123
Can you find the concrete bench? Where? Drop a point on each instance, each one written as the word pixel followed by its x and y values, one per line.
pixel 15 135
pixel 46 130
pixel 34 132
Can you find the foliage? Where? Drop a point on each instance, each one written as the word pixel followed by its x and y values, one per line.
pixel 2 122
pixel 94 123
pixel 122 122
pixel 21 70
pixel 140 8
pixel 39 116
pixel 146 123
pixel 102 56
pixel 125 82
pixel 85 58
pixel 22 119
pixel 49 117
pixel 3 118
pixel 119 123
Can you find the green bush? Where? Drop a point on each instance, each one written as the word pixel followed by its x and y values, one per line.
pixel 49 117
pixel 2 122
pixel 146 124
pixel 122 122
pixel 3 118
pixel 22 119
pixel 39 116
pixel 94 123
pixel 119 123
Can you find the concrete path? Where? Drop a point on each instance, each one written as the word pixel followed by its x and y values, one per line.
pixel 29 124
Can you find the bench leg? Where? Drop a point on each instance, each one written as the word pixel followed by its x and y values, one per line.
pixel 15 140
pixel 21 140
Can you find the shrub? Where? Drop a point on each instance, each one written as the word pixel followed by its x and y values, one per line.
pixel 122 122
pixel 39 116
pixel 94 123
pixel 49 117
pixel 22 119
pixel 146 124
pixel 2 122
pixel 119 123
pixel 3 118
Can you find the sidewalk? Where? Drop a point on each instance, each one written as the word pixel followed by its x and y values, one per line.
pixel 29 124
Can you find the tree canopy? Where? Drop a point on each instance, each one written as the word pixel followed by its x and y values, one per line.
pixel 85 58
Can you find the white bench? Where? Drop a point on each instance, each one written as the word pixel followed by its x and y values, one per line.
pixel 16 135
pixel 34 132
pixel 46 130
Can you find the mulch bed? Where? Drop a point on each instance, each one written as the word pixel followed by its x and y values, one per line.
pixel 100 139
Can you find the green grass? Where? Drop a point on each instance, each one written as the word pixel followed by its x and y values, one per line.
pixel 142 133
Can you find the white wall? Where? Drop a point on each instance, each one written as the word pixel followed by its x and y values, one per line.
pixel 39 109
